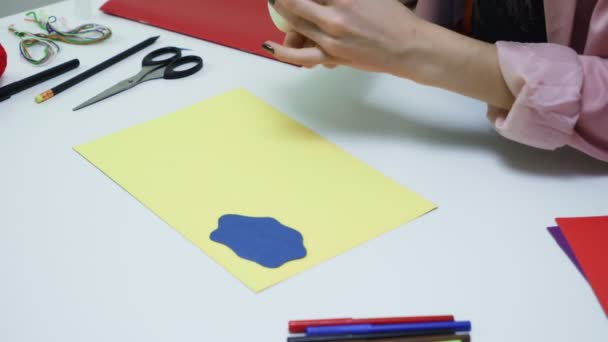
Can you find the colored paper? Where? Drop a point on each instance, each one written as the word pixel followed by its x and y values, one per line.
pixel 588 238
pixel 561 241
pixel 260 239
pixel 235 154
pixel 240 24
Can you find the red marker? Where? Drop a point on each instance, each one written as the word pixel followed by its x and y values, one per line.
pixel 300 326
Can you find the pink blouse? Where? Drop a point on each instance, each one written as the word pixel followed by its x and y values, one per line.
pixel 561 87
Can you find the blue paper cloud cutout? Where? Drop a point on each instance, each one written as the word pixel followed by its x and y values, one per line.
pixel 263 240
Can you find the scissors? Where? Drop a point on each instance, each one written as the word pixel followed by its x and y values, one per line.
pixel 153 69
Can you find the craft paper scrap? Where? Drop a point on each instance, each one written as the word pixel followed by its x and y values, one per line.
pixel 260 239
pixel 234 154
pixel 561 241
pixel 588 238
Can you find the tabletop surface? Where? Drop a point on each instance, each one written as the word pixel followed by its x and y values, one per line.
pixel 82 260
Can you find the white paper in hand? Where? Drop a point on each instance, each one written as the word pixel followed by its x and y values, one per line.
pixel 278 21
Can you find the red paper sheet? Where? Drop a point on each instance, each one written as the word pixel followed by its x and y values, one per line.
pixel 241 24
pixel 588 238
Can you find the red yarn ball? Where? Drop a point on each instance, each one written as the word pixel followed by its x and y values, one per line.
pixel 3 60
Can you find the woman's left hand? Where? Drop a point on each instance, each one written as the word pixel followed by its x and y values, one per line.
pixel 371 35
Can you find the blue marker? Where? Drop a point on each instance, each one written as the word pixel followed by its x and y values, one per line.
pixel 358 329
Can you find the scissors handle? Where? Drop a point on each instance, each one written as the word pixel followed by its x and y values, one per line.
pixel 172 52
pixel 172 74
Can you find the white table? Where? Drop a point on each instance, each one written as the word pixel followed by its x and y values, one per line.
pixel 82 260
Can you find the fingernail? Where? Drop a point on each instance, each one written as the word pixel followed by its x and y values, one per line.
pixel 268 48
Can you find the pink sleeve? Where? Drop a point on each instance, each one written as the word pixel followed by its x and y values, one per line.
pixel 561 98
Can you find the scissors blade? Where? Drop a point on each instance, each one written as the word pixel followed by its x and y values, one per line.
pixel 116 89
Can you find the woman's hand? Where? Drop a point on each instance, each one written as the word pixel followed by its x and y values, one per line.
pixel 371 35
pixel 385 36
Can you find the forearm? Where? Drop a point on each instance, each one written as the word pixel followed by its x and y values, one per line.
pixel 442 58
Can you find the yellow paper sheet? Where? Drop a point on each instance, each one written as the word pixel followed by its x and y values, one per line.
pixel 234 154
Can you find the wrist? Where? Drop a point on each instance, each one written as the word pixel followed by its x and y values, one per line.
pixel 435 56
pixel 426 53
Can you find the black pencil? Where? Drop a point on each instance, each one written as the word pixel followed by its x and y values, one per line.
pixel 11 89
pixel 94 70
